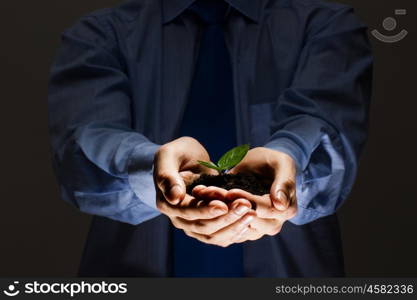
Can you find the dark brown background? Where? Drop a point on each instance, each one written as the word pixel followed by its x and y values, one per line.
pixel 43 236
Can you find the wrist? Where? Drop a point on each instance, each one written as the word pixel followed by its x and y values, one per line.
pixel 291 148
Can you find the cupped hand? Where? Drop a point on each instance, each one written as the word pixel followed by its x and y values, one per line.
pixel 272 210
pixel 275 168
pixel 269 220
pixel 175 165
pixel 224 230
pixel 280 205
pixel 265 220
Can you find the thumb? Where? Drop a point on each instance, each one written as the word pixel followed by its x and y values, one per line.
pixel 169 181
pixel 283 189
pixel 172 186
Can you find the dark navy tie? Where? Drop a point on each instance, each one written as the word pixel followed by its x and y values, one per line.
pixel 210 118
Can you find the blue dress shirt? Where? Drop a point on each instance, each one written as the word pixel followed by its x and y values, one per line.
pixel 119 84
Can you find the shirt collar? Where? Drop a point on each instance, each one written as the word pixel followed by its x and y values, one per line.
pixel 249 8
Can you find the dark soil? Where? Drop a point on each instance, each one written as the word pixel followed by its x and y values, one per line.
pixel 246 182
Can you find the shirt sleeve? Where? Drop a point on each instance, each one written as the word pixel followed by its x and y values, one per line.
pixel 321 120
pixel 104 167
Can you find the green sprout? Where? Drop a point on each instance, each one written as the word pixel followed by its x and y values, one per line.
pixel 229 160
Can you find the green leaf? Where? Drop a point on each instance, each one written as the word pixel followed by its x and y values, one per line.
pixel 232 157
pixel 209 164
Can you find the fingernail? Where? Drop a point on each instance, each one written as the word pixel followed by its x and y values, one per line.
pixel 176 190
pixel 246 220
pixel 217 211
pixel 279 206
pixel 282 196
pixel 241 209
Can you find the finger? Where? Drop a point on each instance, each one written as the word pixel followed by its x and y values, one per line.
pixel 283 188
pixel 197 189
pixel 239 209
pixel 212 210
pixel 255 200
pixel 209 193
pixel 168 179
pixel 248 235
pixel 239 193
pixel 267 226
pixel 226 236
pixel 188 176
pixel 262 205
pixel 234 203
pixel 258 228
pixel 242 167
pixel 208 171
pixel 243 236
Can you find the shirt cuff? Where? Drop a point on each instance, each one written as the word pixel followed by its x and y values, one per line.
pixel 140 172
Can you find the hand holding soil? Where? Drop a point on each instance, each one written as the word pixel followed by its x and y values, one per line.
pixel 266 179
pixel 265 220
pixel 259 171
pixel 175 165
pixel 228 214
pixel 245 181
